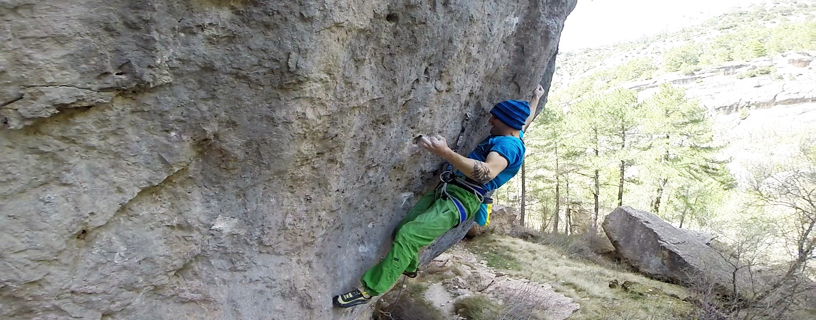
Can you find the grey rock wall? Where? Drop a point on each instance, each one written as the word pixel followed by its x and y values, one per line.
pixel 233 159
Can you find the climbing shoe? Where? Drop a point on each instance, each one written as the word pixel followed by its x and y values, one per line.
pixel 410 274
pixel 351 298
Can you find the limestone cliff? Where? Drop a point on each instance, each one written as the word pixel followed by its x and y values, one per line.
pixel 784 79
pixel 764 106
pixel 233 159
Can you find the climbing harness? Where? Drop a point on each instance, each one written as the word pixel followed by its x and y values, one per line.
pixel 478 191
pixel 448 177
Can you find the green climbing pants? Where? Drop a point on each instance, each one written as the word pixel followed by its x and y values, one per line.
pixel 431 217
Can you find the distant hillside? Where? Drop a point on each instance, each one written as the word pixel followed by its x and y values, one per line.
pixel 779 27
pixel 753 68
pixel 600 145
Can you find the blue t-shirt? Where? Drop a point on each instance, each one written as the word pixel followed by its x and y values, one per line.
pixel 511 148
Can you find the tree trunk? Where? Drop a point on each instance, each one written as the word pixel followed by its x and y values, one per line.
pixel 544 222
pixel 568 216
pixel 622 169
pixel 661 183
pixel 557 192
pixel 660 187
pixel 568 221
pixel 620 183
pixel 523 193
pixel 682 218
pixel 556 218
pixel 597 190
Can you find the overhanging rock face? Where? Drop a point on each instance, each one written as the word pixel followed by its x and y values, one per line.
pixel 665 252
pixel 233 159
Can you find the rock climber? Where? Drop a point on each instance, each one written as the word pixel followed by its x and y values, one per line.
pixel 492 163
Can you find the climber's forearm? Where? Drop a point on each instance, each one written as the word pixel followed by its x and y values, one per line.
pixel 533 108
pixel 537 93
pixel 479 171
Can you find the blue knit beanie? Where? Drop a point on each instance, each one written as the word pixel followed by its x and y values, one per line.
pixel 513 113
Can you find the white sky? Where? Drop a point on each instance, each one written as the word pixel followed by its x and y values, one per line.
pixel 596 23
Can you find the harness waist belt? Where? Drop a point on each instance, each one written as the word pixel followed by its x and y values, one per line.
pixel 467 185
pixel 478 190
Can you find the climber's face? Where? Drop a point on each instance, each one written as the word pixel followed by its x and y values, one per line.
pixel 495 125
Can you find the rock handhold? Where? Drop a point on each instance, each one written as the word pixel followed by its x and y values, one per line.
pixel 662 251
pixel 43 102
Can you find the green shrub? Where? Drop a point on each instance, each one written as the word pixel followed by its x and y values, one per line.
pixel 761 71
pixel 744 113
pixel 678 58
pixel 690 70
pixel 635 69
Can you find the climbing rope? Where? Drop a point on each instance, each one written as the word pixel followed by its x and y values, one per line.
pixel 394 304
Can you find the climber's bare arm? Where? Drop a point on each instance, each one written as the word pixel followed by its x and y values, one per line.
pixel 480 171
pixel 537 93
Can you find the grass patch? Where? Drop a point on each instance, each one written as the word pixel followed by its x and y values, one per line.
pixel 584 247
pixel 496 257
pixel 568 267
pixel 478 308
pixel 407 304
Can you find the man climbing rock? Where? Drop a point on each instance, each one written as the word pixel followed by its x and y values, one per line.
pixel 492 163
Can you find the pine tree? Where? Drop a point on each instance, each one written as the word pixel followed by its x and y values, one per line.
pixel 554 158
pixel 681 147
pixel 622 114
pixel 591 131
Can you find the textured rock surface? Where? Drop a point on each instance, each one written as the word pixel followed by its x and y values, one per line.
pixel 660 250
pixel 233 159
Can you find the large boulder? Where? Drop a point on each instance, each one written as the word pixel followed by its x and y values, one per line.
pixel 234 159
pixel 660 250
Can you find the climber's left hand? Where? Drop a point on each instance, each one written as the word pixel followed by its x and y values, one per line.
pixel 435 144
